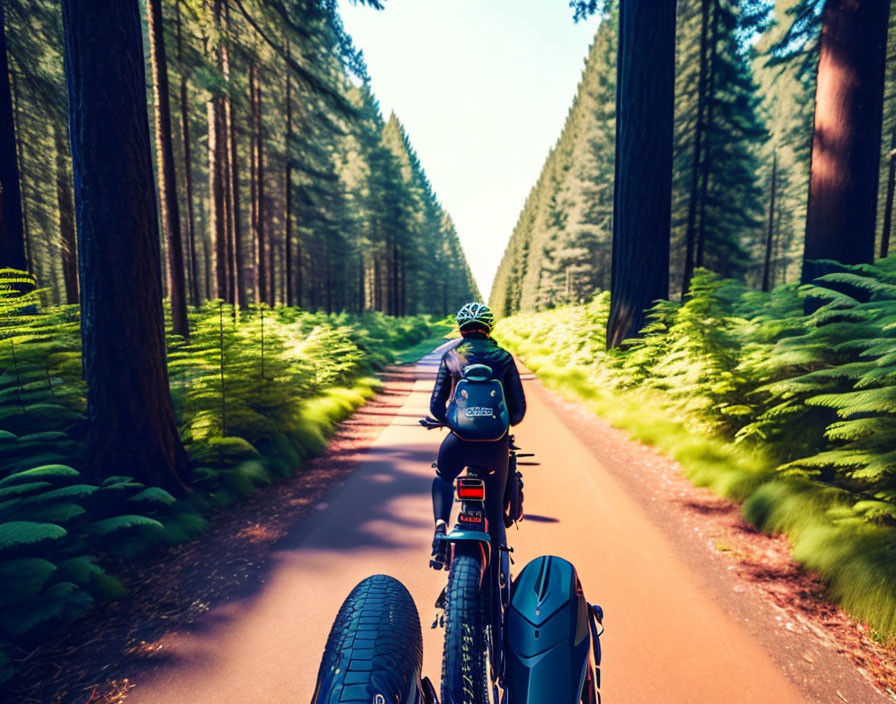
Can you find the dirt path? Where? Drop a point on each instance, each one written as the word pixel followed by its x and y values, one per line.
pixel 247 608
pixel 672 635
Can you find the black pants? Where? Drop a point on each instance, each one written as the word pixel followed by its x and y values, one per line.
pixel 491 460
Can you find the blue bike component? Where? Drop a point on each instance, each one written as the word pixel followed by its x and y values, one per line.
pixel 548 654
pixel 460 536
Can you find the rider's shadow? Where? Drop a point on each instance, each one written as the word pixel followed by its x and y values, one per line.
pixel 536 518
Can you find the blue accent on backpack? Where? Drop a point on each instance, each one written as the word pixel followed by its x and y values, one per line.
pixel 478 410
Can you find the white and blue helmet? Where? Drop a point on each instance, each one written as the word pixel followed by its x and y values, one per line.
pixel 475 313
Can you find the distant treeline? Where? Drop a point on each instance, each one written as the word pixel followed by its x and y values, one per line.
pixel 745 83
pixel 278 180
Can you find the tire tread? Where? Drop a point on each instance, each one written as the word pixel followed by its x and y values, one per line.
pixel 375 645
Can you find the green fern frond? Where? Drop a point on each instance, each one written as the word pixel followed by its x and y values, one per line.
pixel 851 430
pixel 50 472
pixel 153 495
pixel 879 288
pixel 19 490
pixel 116 524
pixel 850 403
pixel 15 534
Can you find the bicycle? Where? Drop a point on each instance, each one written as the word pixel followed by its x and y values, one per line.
pixel 478 591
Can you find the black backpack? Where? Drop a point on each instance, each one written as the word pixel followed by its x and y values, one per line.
pixel 478 410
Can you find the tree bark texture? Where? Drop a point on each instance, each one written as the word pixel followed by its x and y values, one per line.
pixel 770 235
pixel 707 152
pixel 217 219
pixel 235 235
pixel 702 79
pixel 193 265
pixel 840 220
pixel 290 298
pixel 169 207
pixel 261 245
pixel 888 203
pixel 12 231
pixel 188 195
pixel 643 189
pixel 132 429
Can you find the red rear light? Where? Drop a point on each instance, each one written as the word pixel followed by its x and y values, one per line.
pixel 471 489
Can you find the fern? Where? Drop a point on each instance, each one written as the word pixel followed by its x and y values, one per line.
pixel 279 396
pixel 817 392
pixel 23 578
pixel 15 534
pixel 58 513
pixel 53 472
pixel 153 495
pixel 108 526
pixel 21 489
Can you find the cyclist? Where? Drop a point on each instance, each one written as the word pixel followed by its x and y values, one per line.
pixel 475 346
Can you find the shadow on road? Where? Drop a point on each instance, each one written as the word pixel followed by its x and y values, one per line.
pixel 536 518
pixel 199 588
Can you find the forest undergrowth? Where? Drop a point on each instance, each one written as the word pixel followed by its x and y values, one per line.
pixel 791 413
pixel 256 392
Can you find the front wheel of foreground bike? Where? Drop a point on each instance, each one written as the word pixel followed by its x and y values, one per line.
pixel 465 657
pixel 375 649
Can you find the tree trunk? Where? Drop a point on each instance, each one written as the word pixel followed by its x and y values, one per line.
pixel 390 274
pixel 770 237
pixel 188 195
pixel 840 219
pixel 328 276
pixel 287 191
pixel 643 187
pixel 271 246
pixel 12 232
pixel 235 260
pixel 257 260
pixel 690 232
pixel 66 208
pixel 217 222
pixel 403 289
pixel 300 269
pixel 170 209
pixel 221 180
pixel 707 154
pixel 188 169
pixel 261 246
pixel 207 263
pixel 132 429
pixel 32 262
pixel 888 207
pixel 396 283
pixel 237 267
pixel 227 209
pixel 362 278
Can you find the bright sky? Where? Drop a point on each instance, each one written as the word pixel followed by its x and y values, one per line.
pixel 482 88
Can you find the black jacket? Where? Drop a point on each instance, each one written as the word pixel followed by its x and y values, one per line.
pixel 478 348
